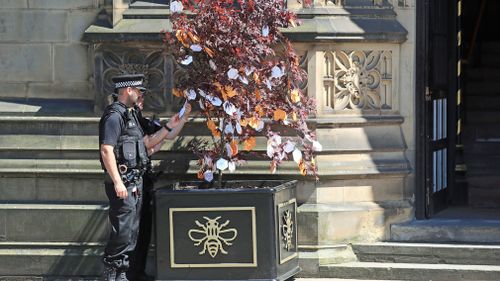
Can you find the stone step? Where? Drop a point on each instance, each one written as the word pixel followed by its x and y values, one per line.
pixel 338 140
pixel 32 125
pixel 491 102
pixel 391 252
pixel 150 4
pixel 22 107
pixel 443 230
pixel 55 125
pixel 481 133
pixel 53 223
pixel 78 260
pixel 344 165
pixel 146 13
pixel 486 182
pixel 53 189
pixel 484 165
pixel 51 166
pixel 365 221
pixel 483 74
pixel 485 197
pixel 482 148
pixel 364 164
pixel 312 255
pixel 480 88
pixel 481 117
pixel 410 271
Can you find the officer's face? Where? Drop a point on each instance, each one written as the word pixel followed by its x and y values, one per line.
pixel 133 94
pixel 140 101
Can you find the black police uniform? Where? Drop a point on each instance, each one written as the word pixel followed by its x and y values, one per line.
pixel 120 128
pixel 139 258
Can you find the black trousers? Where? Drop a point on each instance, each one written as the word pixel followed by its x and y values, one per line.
pixel 124 216
pixel 140 255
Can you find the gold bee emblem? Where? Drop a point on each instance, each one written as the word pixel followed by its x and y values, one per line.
pixel 213 236
pixel 287 230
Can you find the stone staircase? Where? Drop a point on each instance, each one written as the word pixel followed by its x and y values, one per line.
pixel 52 207
pixel 481 134
pixel 53 210
pixel 458 244
pixel 419 261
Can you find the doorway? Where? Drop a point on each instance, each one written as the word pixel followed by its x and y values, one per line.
pixel 436 99
pixel 481 111
pixel 458 107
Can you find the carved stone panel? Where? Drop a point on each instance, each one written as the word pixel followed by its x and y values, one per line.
pixel 356 80
pixel 159 68
pixel 303 55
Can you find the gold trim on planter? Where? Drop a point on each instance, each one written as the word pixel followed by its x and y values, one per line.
pixel 281 235
pixel 287 229
pixel 211 209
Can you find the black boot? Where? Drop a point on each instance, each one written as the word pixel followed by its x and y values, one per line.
pixel 109 273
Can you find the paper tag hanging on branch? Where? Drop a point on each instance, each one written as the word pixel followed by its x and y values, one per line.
pixel 183 109
pixel 187 60
pixel 176 6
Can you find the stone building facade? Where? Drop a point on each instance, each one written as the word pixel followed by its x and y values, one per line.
pixel 56 60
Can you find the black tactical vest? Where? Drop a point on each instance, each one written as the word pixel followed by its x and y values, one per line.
pixel 130 149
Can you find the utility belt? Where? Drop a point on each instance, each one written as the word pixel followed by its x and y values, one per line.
pixel 130 176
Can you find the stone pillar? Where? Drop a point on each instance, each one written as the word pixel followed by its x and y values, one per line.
pixel 115 10
pixel 364 124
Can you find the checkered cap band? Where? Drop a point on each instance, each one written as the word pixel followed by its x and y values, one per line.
pixel 126 84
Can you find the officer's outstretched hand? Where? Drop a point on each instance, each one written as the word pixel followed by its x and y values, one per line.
pixel 174 121
pixel 187 111
pixel 121 190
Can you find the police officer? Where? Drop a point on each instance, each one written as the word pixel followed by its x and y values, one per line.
pixel 124 158
pixel 150 127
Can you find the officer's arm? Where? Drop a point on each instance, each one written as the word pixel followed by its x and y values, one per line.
pixel 176 123
pixel 108 157
pixel 176 130
pixel 155 148
pixel 151 141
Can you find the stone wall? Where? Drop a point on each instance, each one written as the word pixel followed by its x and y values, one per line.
pixel 41 52
pixel 406 15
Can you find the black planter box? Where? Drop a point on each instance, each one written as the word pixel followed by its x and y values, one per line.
pixel 227 234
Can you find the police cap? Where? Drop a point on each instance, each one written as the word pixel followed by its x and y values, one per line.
pixel 129 80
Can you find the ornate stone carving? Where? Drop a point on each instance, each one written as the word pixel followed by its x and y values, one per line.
pixel 111 60
pixel 304 65
pixel 358 80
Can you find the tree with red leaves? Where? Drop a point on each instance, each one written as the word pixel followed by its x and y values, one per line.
pixel 244 74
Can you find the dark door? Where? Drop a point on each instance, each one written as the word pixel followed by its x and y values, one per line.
pixel 440 103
